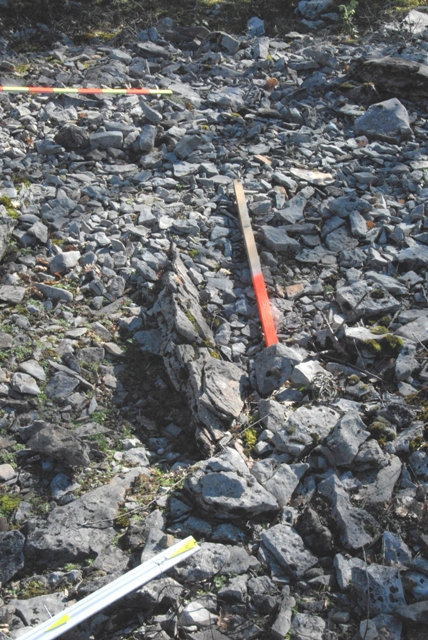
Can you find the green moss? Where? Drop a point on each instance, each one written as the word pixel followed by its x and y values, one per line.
pixel 416 443
pixel 8 504
pixel 193 253
pixel 379 330
pixel 373 345
pixel 394 342
pixel 353 379
pixel 33 589
pixel 250 437
pixel 10 210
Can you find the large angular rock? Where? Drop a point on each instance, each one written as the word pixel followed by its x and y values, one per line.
pixel 59 443
pixel 388 121
pixel 227 494
pixel 276 238
pixel 61 386
pixel 307 626
pixel 378 486
pixel 304 428
pixel 63 262
pixel 353 523
pixel 288 548
pixel 273 366
pixel 11 554
pixel 284 481
pixel 394 75
pixel 362 301
pixel 80 529
pixel 341 446
pixel 11 293
pixel 378 587
pixel 416 331
pixel 41 608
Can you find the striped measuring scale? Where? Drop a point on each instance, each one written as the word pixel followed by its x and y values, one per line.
pixel 80 611
pixel 87 91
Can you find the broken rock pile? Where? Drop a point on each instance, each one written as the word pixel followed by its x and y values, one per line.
pixel 138 404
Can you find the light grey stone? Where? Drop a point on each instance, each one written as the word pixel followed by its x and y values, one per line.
pixel 60 386
pixel 7 225
pixel 395 550
pixel 68 533
pixel 273 366
pixel 7 472
pixel 229 494
pixel 56 294
pixel 378 486
pixel 344 566
pixel 106 140
pixel 195 614
pixel 307 627
pixel 305 427
pixel 378 587
pixel 146 141
pixel 63 262
pixel 33 368
pixel 39 231
pixel 23 383
pixel 351 521
pixel 364 301
pixel 284 481
pixel 341 446
pixel 39 609
pixel 12 293
pixel 406 363
pixel 311 9
pixel 287 547
pixel 416 331
pixel 388 121
pixel 276 238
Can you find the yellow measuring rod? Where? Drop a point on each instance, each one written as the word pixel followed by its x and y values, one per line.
pixel 80 611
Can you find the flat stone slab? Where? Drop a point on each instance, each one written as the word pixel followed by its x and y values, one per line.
pixel 11 554
pixel 417 331
pixel 11 293
pixel 288 548
pixel 228 494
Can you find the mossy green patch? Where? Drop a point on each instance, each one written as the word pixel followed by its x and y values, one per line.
pixel 10 209
pixel 8 504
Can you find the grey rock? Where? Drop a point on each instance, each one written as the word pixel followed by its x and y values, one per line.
pixel 137 456
pixel 63 262
pixel 351 521
pixel 11 554
pixel 11 293
pixel 187 145
pixel 39 231
pixel 416 331
pixel 150 340
pixel 306 626
pixel 146 141
pixel 341 446
pixel 229 494
pixel 284 481
pixel 68 533
pixel 364 301
pixel 340 239
pixel 24 383
pixel 416 612
pixel 273 366
pixel 282 623
pixel 72 137
pixel 415 257
pixel 59 443
pixel 106 140
pixel 287 547
pixel 395 550
pixel 344 567
pixel 385 626
pixel 235 589
pixel 378 486
pixel 276 238
pixel 41 608
pixel 159 594
pixel 56 294
pixel 211 560
pixel 91 355
pixel 406 363
pixel 7 472
pixel 263 593
pixel 378 587
pixel 60 386
pixel 6 340
pixel 311 9
pixel 7 225
pixel 388 121
pixel 305 427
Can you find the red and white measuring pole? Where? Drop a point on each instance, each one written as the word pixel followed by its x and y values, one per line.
pixel 86 90
pixel 263 303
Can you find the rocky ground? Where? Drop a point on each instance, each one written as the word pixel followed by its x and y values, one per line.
pixel 138 404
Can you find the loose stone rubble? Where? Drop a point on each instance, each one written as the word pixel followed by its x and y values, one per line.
pixel 138 404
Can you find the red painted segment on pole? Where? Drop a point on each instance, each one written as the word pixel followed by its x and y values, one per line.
pixel 265 313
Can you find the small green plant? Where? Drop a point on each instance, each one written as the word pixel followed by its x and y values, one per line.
pixel 219 581
pixel 250 437
pixel 99 416
pixel 348 13
pixel 70 566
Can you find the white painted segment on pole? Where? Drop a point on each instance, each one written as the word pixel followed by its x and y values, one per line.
pixel 80 611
